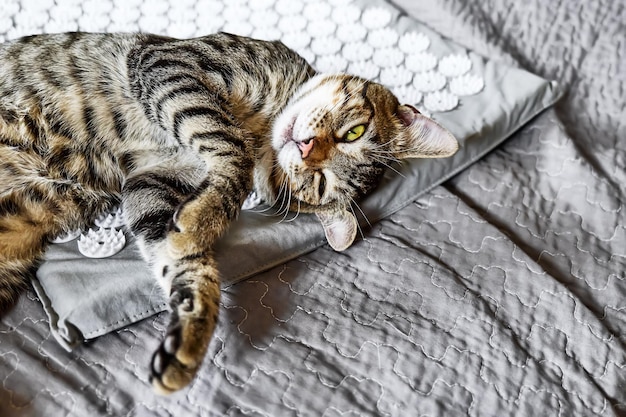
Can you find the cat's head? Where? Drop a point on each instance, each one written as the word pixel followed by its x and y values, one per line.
pixel 333 140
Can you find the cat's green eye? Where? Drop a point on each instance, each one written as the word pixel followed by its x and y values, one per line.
pixel 354 133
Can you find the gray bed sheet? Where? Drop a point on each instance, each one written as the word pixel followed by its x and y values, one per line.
pixel 500 293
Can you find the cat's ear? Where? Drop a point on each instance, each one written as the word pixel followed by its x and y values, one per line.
pixel 339 227
pixel 422 137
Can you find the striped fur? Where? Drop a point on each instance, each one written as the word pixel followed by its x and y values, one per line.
pixel 179 132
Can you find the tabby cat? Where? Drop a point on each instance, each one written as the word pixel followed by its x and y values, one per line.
pixel 179 132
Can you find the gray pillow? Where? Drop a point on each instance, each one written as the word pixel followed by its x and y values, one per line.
pixel 480 101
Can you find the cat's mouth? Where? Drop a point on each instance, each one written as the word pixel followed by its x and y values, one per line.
pixel 285 145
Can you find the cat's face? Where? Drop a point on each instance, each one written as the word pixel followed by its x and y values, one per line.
pixel 333 140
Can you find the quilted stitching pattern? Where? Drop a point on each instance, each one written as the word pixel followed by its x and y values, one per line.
pixel 446 323
pixel 501 293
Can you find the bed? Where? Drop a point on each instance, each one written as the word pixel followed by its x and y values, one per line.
pixel 500 291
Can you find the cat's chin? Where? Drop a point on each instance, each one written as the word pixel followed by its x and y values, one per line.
pixel 283 132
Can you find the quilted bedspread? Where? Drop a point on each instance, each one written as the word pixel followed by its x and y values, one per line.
pixel 501 292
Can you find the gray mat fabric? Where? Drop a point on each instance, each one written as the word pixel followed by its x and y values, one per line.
pixel 500 293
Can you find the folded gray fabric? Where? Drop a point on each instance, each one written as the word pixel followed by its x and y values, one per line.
pixel 480 101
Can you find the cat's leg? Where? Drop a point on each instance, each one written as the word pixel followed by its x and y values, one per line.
pixel 29 218
pixel 35 208
pixel 23 231
pixel 194 111
pixel 195 284
pixel 180 255
pixel 27 221
pixel 177 220
pixel 149 200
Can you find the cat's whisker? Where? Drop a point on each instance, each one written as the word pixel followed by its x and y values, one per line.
pixel 383 147
pixel 358 226
pixel 265 210
pixel 296 215
pixel 285 216
pixel 361 211
pixel 389 163
pixel 283 192
pixel 387 155
pixel 337 105
pixel 155 284
pixel 284 203
pixel 288 203
pixel 263 213
pixel 276 206
pixel 390 167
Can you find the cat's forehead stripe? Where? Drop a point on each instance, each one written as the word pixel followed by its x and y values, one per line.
pixel 365 87
pixel 350 86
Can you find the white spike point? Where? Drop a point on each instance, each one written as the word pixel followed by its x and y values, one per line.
pixel 67 237
pixel 101 243
pixel 113 219
pixel 252 201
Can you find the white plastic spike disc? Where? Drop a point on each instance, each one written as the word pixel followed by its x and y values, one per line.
pixel 413 42
pixel 428 82
pixel 467 85
pixel 408 94
pixel 114 218
pixel 376 17
pixel 441 101
pixel 101 243
pixel 331 64
pixel 252 201
pixel 455 65
pixel 69 236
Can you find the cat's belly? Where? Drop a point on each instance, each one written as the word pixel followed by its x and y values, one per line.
pixel 92 167
pixel 101 157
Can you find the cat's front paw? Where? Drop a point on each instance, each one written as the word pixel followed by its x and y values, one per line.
pixel 180 354
pixel 168 373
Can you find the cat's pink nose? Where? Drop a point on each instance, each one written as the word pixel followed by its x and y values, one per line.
pixel 305 147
